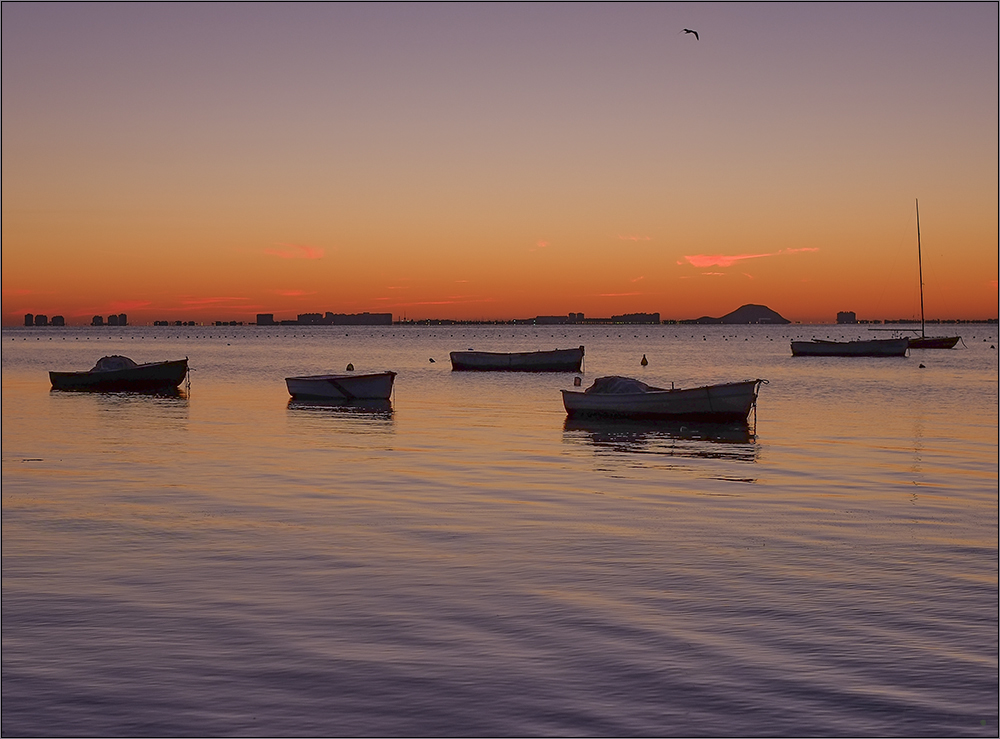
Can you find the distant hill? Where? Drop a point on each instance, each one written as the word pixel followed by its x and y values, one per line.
pixel 749 313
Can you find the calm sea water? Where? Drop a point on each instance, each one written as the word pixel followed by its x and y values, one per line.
pixel 226 562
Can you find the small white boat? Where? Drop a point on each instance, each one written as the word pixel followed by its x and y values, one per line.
pixel 862 348
pixel 375 386
pixel 625 397
pixel 556 360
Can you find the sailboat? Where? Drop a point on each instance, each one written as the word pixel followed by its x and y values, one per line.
pixel 924 341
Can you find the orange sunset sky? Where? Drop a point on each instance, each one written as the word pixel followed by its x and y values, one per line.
pixel 210 162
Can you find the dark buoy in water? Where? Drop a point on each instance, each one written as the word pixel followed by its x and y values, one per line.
pixel 432 360
pixel 644 361
pixel 577 382
pixel 350 367
pixel 920 366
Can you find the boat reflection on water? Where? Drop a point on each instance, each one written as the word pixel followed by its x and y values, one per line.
pixel 106 400
pixel 162 392
pixel 118 418
pixel 375 409
pixel 733 441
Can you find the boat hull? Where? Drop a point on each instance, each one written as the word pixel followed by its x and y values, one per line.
pixel 934 342
pixel 725 403
pixel 375 386
pixel 557 360
pixel 871 348
pixel 141 377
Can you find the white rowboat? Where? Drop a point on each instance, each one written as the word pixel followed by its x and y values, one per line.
pixel 375 386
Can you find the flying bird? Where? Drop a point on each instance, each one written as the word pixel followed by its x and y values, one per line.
pixel 688 30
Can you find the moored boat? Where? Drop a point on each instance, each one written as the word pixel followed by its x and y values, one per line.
pixel 556 360
pixel 116 372
pixel 934 342
pixel 373 386
pixel 624 397
pixel 924 341
pixel 860 348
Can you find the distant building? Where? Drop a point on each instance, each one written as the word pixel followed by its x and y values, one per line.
pixel 556 320
pixel 358 319
pixel 311 319
pixel 113 319
pixel 41 320
pixel 265 319
pixel 29 319
pixel 122 319
pixel 636 318
pixel 58 321
pixel 847 316
pixel 97 321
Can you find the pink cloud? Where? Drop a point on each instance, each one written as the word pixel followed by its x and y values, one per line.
pixel 200 302
pixel 125 305
pixel 295 251
pixel 293 293
pixel 11 293
pixel 728 260
pixel 616 295
pixel 457 299
pixel 720 260
pixel 634 238
pixel 636 279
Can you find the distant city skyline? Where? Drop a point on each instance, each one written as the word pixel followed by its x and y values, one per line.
pixel 491 161
pixel 382 319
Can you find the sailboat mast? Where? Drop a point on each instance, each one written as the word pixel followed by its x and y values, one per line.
pixel 920 269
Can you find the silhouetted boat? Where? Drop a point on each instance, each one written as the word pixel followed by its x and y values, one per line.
pixel 556 360
pixel 374 386
pixel 624 397
pixel 860 348
pixel 116 372
pixel 934 342
pixel 924 341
